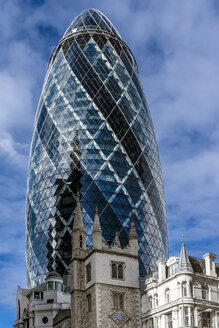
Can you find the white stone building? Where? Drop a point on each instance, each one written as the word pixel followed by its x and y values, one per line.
pixel 182 293
pixel 37 307
pixel 104 291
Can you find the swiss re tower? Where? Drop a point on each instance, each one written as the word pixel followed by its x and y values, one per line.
pixel 94 134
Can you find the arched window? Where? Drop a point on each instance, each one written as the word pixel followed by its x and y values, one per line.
pixel 150 304
pixel 184 289
pixel 114 270
pixel 117 270
pixel 156 300
pixel 120 271
pixel 167 295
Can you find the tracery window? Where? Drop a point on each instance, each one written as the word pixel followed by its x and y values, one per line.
pixel 117 270
pixel 118 301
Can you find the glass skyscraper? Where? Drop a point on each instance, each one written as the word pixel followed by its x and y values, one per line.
pixel 93 133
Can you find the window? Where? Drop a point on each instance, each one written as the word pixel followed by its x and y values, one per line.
pixel 156 300
pixel 36 295
pixel 57 285
pixel 186 316
pixel 50 285
pixel 204 293
pixel 117 270
pixel 172 269
pixel 88 272
pixel 206 319
pixel 169 320
pixel 50 300
pixel 167 295
pixel 89 303
pixel 118 301
pixel 80 241
pixel 156 322
pixel 184 289
pixel 150 303
pixel 120 271
pixel 19 309
pixel 151 323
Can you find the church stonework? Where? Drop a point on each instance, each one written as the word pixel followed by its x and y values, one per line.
pixel 104 289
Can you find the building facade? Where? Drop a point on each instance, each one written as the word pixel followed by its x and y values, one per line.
pixel 184 292
pixel 38 306
pixel 104 290
pixel 93 133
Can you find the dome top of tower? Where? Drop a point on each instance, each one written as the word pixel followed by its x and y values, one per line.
pixel 53 274
pixel 91 19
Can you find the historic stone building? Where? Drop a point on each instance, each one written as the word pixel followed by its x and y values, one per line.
pixel 104 285
pixel 103 289
pixel 182 293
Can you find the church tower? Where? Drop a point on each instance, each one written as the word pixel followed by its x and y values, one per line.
pixel 105 289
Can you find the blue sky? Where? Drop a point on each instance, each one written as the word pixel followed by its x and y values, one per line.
pixel 176 45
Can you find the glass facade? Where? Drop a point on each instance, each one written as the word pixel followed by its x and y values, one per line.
pixel 93 133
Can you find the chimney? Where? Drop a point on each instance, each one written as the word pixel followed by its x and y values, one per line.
pixel 210 269
pixel 161 263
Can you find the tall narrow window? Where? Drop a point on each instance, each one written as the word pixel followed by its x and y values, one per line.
pixel 121 301
pixel 151 323
pixel 149 302
pixel 19 309
pixel 186 316
pixel 57 285
pixel 184 289
pixel 88 272
pixel 115 301
pixel 156 300
pixel 120 271
pixel 206 319
pixel 80 241
pixel 89 303
pixel 204 293
pixel 169 320
pixel 114 270
pixel 167 295
pixel 50 285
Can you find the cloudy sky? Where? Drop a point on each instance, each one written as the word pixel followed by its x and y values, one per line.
pixel 176 45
